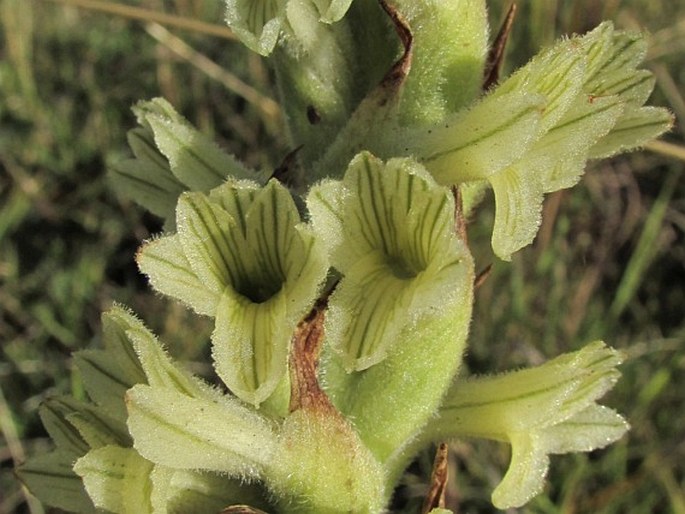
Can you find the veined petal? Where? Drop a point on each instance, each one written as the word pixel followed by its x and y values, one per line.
pixel 612 70
pixel 236 197
pixel 205 236
pixel 539 411
pixel 618 51
pixel 250 345
pixel 117 479
pixel 169 271
pixel 481 141
pixel 97 428
pixel 398 253
pixel 274 269
pixel 153 187
pixel 530 399
pixel 271 235
pixel 518 209
pixel 256 22
pixel 224 437
pixel 526 474
pixel 557 75
pixel 147 179
pixel 559 157
pixel 115 322
pixel 594 427
pixel 635 128
pixel 632 86
pixel 367 311
pixel 324 203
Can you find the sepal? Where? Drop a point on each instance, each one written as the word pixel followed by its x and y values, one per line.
pixel 170 273
pixel 117 479
pixel 194 159
pixel 636 127
pixel 221 436
pixel 53 414
pixel 46 474
pixel 104 380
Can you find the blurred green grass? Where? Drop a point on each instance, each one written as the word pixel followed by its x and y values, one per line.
pixel 609 261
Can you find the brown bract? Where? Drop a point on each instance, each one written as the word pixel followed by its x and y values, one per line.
pixel 305 391
pixel 435 499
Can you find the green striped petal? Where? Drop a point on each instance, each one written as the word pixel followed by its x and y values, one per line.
pixel 117 479
pixel 518 209
pixel 97 428
pixel 274 269
pixel 250 345
pixel 556 161
pixel 556 74
pixel 397 253
pixel 481 141
pixel 525 477
pixel 147 179
pixel 613 72
pixel 148 185
pixel 115 322
pixel 611 54
pixel 594 427
pixel 243 255
pixel 635 128
pixel 559 157
pixel 164 262
pixel 206 238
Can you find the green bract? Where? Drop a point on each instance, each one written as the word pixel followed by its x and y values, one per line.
pixel 342 301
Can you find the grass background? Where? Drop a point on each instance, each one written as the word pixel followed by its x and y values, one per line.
pixel 609 261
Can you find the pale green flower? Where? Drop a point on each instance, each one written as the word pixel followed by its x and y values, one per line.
pixel 534 133
pixel 243 256
pixel 540 411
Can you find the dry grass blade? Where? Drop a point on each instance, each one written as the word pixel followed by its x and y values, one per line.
pixel 268 108
pixel 148 15
pixel 667 149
